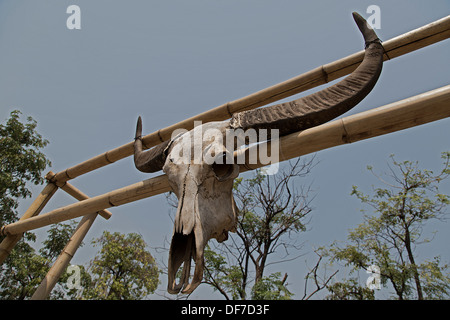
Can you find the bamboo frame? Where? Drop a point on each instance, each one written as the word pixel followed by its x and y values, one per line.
pixel 397 116
pixel 408 42
pixel 37 206
pixel 410 112
pixel 134 192
pixel 61 263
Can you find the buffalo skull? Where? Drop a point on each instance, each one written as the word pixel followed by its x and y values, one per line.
pixel 206 207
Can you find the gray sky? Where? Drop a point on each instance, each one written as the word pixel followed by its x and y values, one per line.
pixel 168 60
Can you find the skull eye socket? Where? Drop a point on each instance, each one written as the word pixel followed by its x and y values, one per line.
pixel 224 171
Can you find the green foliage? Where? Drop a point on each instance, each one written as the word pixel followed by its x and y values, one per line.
pixel 24 269
pixel 271 288
pixel 123 269
pixel 349 290
pixel 228 279
pixel 57 237
pixel 388 237
pixel 22 272
pixel 21 162
pixel 435 279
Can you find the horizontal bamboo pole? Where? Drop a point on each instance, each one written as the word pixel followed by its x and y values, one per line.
pixel 423 108
pixel 134 192
pixel 429 34
pixel 64 258
pixel 410 112
pixel 79 195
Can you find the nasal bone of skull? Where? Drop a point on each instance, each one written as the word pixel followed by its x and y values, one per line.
pixel 188 239
pixel 183 248
pixel 180 252
pixel 204 211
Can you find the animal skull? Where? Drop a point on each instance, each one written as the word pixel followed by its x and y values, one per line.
pixel 203 185
pixel 201 178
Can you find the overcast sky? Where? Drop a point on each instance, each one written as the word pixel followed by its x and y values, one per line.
pixel 168 60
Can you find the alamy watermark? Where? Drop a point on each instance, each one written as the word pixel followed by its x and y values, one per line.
pixel 374 20
pixel 73 22
pixel 74 280
pixel 216 145
pixel 373 282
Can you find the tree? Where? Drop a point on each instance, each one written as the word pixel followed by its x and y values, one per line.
pixel 21 163
pixel 21 272
pixel 272 211
pixel 123 269
pixel 271 288
pixel 126 265
pixel 387 239
pixel 24 269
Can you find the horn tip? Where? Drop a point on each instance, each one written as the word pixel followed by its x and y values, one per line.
pixel 356 16
pixel 360 21
pixel 365 28
pixel 138 128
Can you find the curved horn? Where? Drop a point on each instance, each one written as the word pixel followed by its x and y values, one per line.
pixel 148 161
pixel 324 105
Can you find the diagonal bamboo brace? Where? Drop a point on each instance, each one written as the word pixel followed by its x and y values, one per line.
pixel 74 192
pixel 64 258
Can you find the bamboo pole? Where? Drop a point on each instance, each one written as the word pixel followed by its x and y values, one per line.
pixel 424 36
pixel 64 258
pixel 423 108
pixel 79 195
pixel 400 115
pixel 134 192
pixel 33 210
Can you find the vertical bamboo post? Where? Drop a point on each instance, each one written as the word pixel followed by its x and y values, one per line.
pixel 35 208
pixel 50 280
